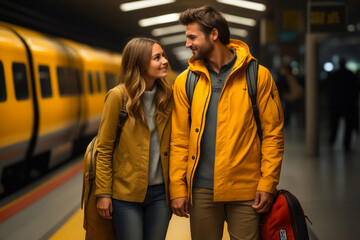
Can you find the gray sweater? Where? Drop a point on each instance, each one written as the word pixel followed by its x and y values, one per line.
pixel 204 174
pixel 155 169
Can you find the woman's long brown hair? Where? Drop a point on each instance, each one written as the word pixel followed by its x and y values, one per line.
pixel 135 61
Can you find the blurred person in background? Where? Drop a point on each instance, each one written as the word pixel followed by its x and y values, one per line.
pixel 290 91
pixel 343 97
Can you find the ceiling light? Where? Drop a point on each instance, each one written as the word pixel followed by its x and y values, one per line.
pixel 130 6
pixel 351 28
pixel 245 4
pixel 182 53
pixel 172 17
pixel 182 57
pixel 238 32
pixel 168 30
pixel 240 20
pixel 173 39
pixel 328 66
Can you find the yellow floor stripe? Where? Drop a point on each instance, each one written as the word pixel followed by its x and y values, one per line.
pixel 179 229
pixel 72 229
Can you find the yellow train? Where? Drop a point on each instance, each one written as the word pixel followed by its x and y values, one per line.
pixel 51 96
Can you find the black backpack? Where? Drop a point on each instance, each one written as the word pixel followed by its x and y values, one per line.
pixel 251 79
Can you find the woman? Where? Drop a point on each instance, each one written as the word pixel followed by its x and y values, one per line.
pixel 132 176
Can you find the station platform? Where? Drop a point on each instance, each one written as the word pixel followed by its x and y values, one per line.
pixel 326 186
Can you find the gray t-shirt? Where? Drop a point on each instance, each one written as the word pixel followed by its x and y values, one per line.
pixel 204 174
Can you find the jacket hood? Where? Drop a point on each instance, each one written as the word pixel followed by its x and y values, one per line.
pixel 242 53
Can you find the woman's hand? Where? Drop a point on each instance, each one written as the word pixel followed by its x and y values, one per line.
pixel 104 207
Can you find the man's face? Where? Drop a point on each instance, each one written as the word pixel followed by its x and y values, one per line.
pixel 198 42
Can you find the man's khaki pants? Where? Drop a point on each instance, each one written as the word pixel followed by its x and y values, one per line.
pixel 207 218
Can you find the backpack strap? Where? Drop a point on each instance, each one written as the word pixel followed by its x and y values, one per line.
pixel 122 118
pixel 191 81
pixel 251 79
pixel 91 167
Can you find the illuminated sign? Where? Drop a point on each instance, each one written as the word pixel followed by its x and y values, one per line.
pixel 327 17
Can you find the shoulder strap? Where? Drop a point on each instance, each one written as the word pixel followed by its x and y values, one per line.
pixel 91 168
pixel 122 118
pixel 251 79
pixel 191 81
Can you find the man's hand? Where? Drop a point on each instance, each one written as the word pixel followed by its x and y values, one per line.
pixel 180 207
pixel 104 207
pixel 263 202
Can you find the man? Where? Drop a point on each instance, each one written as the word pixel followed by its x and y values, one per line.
pixel 219 169
pixel 343 95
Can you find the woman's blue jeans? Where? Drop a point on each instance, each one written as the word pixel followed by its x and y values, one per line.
pixel 139 221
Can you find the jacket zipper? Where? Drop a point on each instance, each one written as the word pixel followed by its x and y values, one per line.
pixel 197 147
pixel 277 106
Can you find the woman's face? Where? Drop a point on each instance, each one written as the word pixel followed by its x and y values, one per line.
pixel 158 64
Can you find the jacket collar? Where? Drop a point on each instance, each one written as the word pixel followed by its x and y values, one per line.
pixel 243 57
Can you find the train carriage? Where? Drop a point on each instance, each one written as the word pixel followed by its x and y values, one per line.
pixel 16 100
pixel 52 93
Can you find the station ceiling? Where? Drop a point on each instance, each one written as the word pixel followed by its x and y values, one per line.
pixel 101 23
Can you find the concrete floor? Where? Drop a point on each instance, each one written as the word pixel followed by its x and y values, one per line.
pixel 326 186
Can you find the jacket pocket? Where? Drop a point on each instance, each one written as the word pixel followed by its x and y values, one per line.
pixel 119 161
pixel 275 98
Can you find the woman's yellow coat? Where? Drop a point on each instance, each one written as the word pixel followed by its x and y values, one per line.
pixel 122 171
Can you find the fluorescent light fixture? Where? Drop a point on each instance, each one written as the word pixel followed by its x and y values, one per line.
pixel 131 6
pixel 172 17
pixel 351 28
pixel 182 49
pixel 182 53
pixel 245 4
pixel 173 39
pixel 183 57
pixel 240 20
pixel 168 30
pixel 238 32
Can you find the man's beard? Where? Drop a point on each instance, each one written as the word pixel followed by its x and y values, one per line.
pixel 203 52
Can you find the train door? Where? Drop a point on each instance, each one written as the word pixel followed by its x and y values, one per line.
pixel 57 81
pixel 16 101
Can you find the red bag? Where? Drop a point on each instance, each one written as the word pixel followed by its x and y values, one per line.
pixel 285 220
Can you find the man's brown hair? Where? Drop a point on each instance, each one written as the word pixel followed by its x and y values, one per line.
pixel 208 18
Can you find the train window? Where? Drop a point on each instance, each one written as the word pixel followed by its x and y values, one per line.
pixel 20 81
pixel 45 83
pixel 91 89
pixel 97 74
pixel 110 80
pixel 69 81
pixel 79 81
pixel 2 84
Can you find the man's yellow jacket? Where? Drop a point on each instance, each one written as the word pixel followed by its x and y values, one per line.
pixel 243 164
